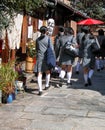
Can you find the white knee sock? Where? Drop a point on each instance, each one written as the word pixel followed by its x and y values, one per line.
pixel 47 80
pixel 77 66
pixel 86 78
pixel 62 74
pixel 98 63
pixel 91 73
pixel 69 74
pixel 40 82
pixel 102 63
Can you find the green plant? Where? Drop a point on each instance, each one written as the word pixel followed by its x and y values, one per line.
pixel 8 75
pixel 8 7
pixel 31 49
pixel 21 74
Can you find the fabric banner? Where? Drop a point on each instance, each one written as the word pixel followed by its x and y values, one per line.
pixel 30 31
pixel 40 23
pixel 14 32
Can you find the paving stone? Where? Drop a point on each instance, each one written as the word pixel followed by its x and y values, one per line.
pixel 17 124
pixel 95 114
pixel 77 108
pixel 50 125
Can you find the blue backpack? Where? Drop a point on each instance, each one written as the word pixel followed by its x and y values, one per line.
pixel 50 57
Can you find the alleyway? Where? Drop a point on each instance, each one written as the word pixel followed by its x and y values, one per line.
pixel 76 108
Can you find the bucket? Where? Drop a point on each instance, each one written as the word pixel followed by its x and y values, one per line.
pixel 19 85
pixel 29 64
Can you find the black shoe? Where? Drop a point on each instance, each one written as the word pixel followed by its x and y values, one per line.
pixel 102 68
pixel 89 82
pixel 58 85
pixel 40 93
pixel 86 84
pixel 46 88
pixel 61 82
pixel 98 69
pixel 77 72
pixel 69 85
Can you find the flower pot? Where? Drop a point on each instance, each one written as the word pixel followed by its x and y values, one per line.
pixel 29 64
pixel 9 98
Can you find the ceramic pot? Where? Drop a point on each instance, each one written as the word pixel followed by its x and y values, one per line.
pixel 9 98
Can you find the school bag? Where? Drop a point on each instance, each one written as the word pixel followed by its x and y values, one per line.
pixel 69 49
pixel 50 57
pixel 95 47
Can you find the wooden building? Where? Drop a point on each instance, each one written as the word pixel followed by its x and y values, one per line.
pixel 63 14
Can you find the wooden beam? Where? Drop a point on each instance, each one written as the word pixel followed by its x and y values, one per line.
pixel 24 33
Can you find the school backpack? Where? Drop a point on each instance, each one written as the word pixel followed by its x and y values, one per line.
pixel 50 57
pixel 69 49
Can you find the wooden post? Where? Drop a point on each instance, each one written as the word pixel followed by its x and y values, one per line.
pixel 5 52
pixel 24 33
pixel 73 24
pixel 13 51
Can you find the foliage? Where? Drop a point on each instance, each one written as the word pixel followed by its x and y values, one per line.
pixel 8 7
pixel 19 70
pixel 8 76
pixel 6 15
pixel 31 48
pixel 92 9
pixel 26 5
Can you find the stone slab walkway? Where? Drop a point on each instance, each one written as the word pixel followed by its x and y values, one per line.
pixel 76 108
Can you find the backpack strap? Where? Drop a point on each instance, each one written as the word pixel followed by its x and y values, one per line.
pixel 70 40
pixel 48 42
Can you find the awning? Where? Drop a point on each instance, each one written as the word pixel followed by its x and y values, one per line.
pixel 75 11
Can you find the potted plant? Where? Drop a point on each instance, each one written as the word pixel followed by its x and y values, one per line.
pixel 21 74
pixel 31 55
pixel 8 75
pixel 31 48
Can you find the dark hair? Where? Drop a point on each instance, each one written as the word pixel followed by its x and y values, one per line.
pixel 100 32
pixel 61 29
pixel 43 29
pixel 85 29
pixel 70 30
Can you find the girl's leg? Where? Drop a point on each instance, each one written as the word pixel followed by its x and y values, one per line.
pixel 91 71
pixel 62 74
pixel 77 67
pixel 98 64
pixel 47 79
pixel 69 74
pixel 39 79
pixel 85 70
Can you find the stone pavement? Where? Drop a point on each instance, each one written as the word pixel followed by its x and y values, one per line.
pixel 76 108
